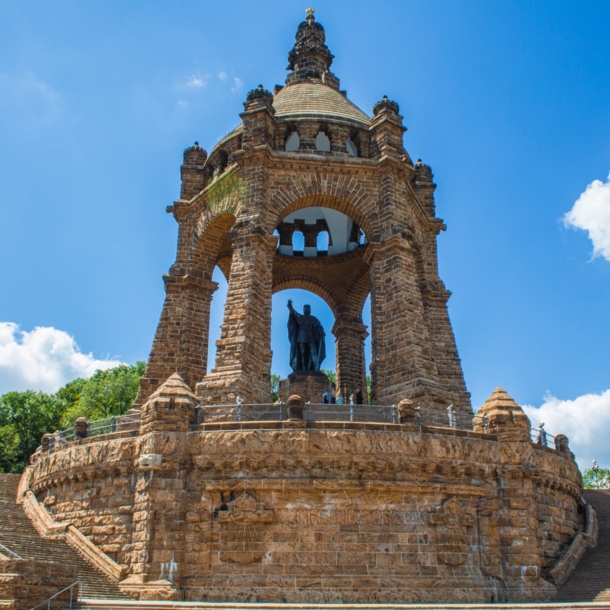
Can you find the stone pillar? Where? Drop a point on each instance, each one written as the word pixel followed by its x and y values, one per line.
pixel 159 515
pixel 243 356
pixel 402 365
pixel 181 341
pixel 351 370
pixel 442 341
pixel 81 428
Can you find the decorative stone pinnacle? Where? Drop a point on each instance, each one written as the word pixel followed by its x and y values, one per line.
pixel 385 103
pixel 195 154
pixel 310 60
pixel 258 94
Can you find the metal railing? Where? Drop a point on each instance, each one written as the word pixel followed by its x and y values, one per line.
pixel 318 412
pixel 47 602
pixel 541 437
pixel 384 414
pixel 6 551
pixel 240 412
pixel 109 425
pixel 271 412
pixel 113 424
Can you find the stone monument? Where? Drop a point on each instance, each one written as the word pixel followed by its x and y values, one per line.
pixel 305 160
pixel 307 353
pixel 208 491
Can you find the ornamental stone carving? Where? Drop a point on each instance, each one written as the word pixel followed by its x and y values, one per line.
pixel 242 521
pixel 452 532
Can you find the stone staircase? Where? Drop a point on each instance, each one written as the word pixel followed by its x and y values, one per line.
pixel 20 536
pixel 590 581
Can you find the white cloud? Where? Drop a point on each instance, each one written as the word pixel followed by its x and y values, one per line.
pixel 584 420
pixel 197 82
pixel 238 84
pixel 43 359
pixel 591 213
pixel 222 76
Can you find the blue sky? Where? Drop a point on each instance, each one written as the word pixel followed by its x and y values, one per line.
pixel 508 101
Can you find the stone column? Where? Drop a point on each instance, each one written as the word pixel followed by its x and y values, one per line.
pixel 448 363
pixel 243 357
pixel 181 341
pixel 351 371
pixel 402 365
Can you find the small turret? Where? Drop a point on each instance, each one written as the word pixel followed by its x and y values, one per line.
pixel 423 185
pixel 501 415
pixel 191 171
pixel 259 118
pixel 170 408
pixel 387 130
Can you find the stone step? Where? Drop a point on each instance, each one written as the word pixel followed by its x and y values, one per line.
pixel 19 535
pixel 590 581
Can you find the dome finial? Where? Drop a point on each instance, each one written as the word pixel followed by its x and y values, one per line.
pixel 310 60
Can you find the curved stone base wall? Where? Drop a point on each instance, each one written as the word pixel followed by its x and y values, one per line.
pixel 334 512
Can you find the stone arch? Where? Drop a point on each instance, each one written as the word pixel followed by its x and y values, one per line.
pixel 359 292
pixel 311 285
pixel 328 191
pixel 289 132
pixel 213 245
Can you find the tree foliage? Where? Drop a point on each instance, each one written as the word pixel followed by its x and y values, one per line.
pixel 596 478
pixel 332 376
pixel 26 416
pixel 105 393
pixel 275 387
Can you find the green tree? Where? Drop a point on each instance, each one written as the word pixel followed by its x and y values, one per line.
pixel 10 458
pixel 275 387
pixel 105 393
pixel 332 376
pixel 24 418
pixel 596 478
pixel 71 391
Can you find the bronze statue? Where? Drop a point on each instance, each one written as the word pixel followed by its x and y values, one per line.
pixel 306 336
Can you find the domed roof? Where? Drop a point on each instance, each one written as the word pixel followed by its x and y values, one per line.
pixel 316 100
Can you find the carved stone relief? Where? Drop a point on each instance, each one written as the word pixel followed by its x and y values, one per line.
pixel 242 520
pixel 452 532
